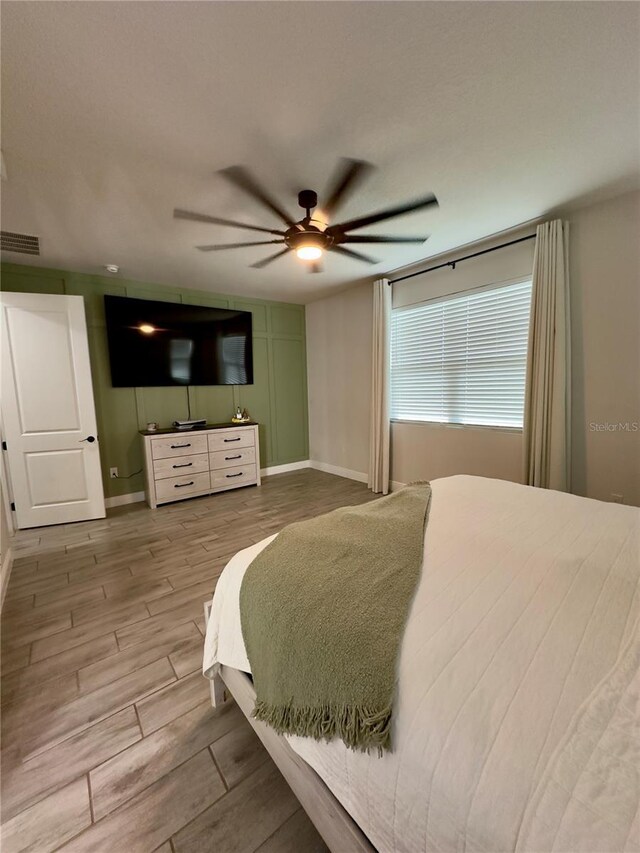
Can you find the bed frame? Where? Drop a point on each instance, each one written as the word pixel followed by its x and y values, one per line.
pixel 338 829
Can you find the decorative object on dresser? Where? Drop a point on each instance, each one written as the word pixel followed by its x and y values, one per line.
pixel 241 416
pixel 213 458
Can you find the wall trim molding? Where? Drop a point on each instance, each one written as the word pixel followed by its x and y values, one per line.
pixel 338 471
pixel 7 565
pixel 121 500
pixel 282 469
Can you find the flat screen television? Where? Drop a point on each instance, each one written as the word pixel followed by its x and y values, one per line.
pixel 168 343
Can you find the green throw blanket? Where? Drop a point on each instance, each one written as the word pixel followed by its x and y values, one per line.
pixel 323 610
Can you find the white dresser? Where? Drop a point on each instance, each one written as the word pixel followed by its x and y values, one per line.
pixel 183 464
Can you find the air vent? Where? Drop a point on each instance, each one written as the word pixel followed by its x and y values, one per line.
pixel 22 243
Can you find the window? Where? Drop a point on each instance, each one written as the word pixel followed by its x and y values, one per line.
pixel 462 359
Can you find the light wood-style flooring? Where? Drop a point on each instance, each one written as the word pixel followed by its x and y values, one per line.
pixel 109 742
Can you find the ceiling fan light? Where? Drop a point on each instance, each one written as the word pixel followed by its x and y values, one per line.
pixel 309 253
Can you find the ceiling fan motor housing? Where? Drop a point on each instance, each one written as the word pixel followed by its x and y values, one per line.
pixel 308 236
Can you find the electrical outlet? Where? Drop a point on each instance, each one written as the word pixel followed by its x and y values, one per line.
pixel 113 473
pixel 617 499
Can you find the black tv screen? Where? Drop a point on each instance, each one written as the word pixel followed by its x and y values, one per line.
pixel 168 343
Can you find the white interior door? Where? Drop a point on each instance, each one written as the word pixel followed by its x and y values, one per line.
pixel 48 411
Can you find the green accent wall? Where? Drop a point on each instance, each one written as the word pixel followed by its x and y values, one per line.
pixel 277 400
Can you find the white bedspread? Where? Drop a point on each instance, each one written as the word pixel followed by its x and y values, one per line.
pixel 517 714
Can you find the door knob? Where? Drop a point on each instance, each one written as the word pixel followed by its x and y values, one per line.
pixel 89 438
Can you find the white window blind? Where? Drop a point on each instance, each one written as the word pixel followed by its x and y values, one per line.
pixel 462 359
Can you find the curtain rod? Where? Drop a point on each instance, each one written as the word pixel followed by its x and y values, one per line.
pixel 452 264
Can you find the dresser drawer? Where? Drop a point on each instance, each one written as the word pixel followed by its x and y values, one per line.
pixel 230 439
pixel 233 457
pixel 227 478
pixel 177 466
pixel 178 445
pixel 174 488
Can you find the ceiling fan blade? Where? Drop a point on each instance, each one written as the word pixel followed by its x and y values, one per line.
pixel 316 266
pixel 263 263
pixel 374 238
pixel 240 177
pixel 357 255
pixel 216 220
pixel 236 245
pixel 350 173
pixel 388 213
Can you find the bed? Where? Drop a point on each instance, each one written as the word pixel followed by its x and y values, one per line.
pixel 516 721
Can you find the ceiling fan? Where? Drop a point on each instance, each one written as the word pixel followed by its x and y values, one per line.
pixel 310 237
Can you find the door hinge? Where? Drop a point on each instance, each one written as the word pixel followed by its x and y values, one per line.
pixel 13 507
pixel 4 445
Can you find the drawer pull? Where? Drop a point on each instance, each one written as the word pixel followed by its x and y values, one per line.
pixel 184 465
pixel 177 446
pixel 234 475
pixel 228 458
pixel 232 439
pixel 182 485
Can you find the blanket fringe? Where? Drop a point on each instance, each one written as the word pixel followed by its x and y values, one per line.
pixel 361 729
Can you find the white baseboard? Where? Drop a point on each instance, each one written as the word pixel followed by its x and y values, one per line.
pixel 282 469
pixel 7 564
pixel 121 500
pixel 338 471
pixel 350 474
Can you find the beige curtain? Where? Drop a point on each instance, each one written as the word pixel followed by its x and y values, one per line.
pixel 379 435
pixel 547 409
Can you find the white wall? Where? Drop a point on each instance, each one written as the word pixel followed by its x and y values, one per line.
pixel 605 313
pixel 428 451
pixel 5 533
pixel 339 378
pixel 6 524
pixel 5 544
pixel 605 291
pixel 507 265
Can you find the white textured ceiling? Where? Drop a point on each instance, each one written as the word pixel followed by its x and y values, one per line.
pixel 114 113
